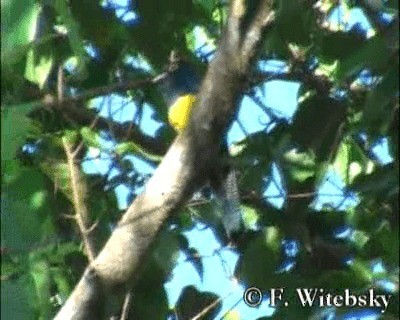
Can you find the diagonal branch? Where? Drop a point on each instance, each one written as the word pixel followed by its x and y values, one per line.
pixel 185 167
pixel 263 18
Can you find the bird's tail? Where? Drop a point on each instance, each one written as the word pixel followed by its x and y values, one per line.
pixel 230 201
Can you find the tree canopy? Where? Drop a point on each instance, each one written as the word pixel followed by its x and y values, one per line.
pixel 81 90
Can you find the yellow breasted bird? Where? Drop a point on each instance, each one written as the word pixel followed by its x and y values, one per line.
pixel 180 88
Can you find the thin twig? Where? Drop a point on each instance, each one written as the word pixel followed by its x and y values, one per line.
pixel 231 308
pixel 126 306
pixel 210 306
pixel 78 193
pixel 60 83
pixel 81 144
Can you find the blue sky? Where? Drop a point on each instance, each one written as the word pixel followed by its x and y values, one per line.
pixel 219 263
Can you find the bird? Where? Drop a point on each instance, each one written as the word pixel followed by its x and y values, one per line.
pixel 181 86
pixel 179 111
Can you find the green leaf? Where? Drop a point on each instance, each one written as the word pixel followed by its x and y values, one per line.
pixel 317 123
pixel 384 181
pixel 363 270
pixel 260 261
pixel 26 206
pixel 378 109
pixel 38 66
pixel 90 137
pixel 351 161
pixel 299 166
pixel 149 291
pixel 62 282
pixel 192 301
pixel 250 216
pixel 184 220
pixel 71 136
pixel 342 279
pixel 384 242
pixel 295 21
pixel 328 70
pixel 207 5
pixel 336 46
pixel 75 39
pixel 14 129
pixel 360 238
pixel 372 54
pixel 54 164
pixel 59 173
pixel 342 162
pixel 39 269
pixel 324 223
pixel 18 26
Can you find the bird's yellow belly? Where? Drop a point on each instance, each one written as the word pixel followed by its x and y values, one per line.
pixel 179 112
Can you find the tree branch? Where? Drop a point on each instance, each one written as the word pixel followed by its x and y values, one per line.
pixel 263 18
pixel 49 101
pixel 73 108
pixel 184 168
pixel 126 131
pixel 79 191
